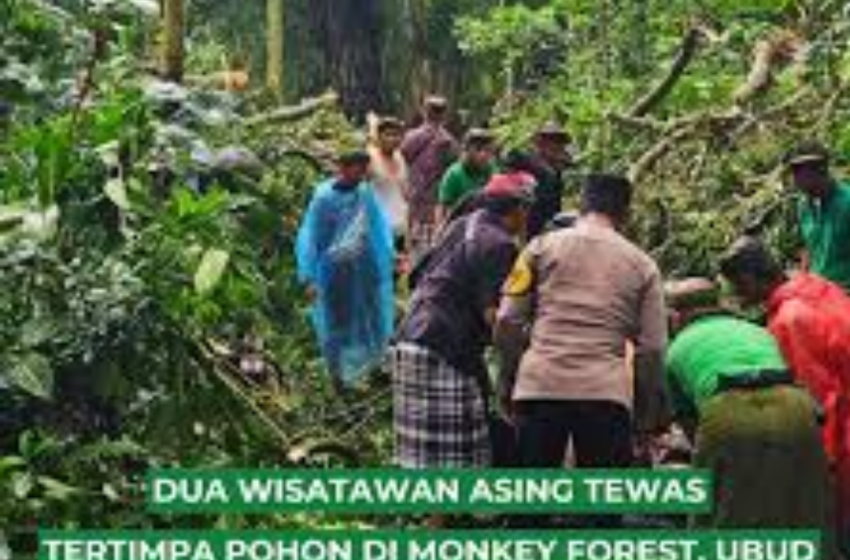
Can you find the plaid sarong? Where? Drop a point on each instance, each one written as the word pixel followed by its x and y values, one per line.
pixel 439 414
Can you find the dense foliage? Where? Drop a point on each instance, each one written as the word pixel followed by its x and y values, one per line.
pixel 149 314
pixel 696 101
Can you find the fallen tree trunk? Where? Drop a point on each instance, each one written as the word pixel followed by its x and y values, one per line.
pixel 296 112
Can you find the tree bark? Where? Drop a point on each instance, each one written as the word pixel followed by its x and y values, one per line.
pixel 173 46
pixel 420 78
pixel 349 34
pixel 274 46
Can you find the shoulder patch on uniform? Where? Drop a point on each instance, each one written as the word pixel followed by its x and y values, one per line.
pixel 521 278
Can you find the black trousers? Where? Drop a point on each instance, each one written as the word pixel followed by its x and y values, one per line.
pixel 600 432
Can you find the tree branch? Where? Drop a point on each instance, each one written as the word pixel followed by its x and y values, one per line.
pixel 687 51
pixel 686 128
pixel 87 84
pixel 296 112
pixel 768 54
pixel 638 123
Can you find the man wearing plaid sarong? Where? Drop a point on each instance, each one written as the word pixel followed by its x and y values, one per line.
pixel 439 375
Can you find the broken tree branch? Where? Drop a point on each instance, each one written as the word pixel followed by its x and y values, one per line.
pixel 753 122
pixel 829 109
pixel 638 123
pixel 769 55
pixel 687 51
pixel 690 126
pixel 296 112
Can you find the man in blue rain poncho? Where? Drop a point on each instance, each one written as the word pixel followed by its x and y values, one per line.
pixel 345 257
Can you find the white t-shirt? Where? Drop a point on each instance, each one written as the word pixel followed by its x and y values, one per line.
pixel 391 177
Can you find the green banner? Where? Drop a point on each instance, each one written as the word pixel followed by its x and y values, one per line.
pixel 447 491
pixel 429 545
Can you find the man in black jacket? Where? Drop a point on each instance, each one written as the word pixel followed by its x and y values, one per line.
pixel 439 375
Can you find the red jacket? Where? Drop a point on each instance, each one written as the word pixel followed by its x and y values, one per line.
pixel 810 317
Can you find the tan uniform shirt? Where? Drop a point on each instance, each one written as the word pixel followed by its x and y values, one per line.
pixel 585 293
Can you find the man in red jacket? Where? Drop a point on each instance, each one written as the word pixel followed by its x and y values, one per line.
pixel 810 317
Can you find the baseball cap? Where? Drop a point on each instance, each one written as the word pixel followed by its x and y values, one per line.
pixel 516 186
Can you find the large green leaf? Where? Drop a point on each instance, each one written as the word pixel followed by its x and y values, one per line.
pixel 116 190
pixel 37 331
pixel 32 373
pixel 56 489
pixel 212 267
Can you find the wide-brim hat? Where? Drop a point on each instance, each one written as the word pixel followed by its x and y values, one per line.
pixel 553 130
pixel 478 137
pixel 807 153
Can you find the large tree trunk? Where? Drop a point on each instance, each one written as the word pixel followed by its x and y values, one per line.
pixel 274 46
pixel 350 35
pixel 421 82
pixel 173 47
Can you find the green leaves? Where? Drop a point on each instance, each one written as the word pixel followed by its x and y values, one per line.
pixel 116 190
pixel 510 35
pixel 30 372
pixel 210 271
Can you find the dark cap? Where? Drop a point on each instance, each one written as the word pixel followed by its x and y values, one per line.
pixel 808 152
pixel 353 157
pixel 553 130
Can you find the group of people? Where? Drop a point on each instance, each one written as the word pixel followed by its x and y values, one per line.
pixel 593 350
pixel 378 218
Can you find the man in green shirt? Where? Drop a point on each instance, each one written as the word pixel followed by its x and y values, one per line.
pixel 754 429
pixel 824 213
pixel 469 174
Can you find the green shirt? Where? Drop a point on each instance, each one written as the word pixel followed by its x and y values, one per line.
pixel 712 347
pixel 825 227
pixel 459 181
